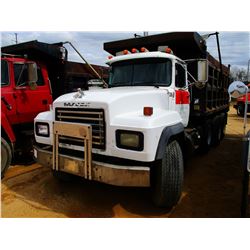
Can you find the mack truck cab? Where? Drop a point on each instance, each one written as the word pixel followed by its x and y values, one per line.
pixel 137 131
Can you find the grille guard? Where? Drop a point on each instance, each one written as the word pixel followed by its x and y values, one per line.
pixel 79 131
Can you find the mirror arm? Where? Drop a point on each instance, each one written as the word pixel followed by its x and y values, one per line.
pixel 93 70
pixel 192 77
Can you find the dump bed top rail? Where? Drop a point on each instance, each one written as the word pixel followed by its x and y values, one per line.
pixel 184 44
pixel 37 50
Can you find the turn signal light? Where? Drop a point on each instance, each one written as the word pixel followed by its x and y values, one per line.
pixel 148 111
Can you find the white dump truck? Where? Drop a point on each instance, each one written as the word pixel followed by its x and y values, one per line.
pixel 166 97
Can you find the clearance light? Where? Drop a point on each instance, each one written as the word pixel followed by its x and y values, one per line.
pixel 148 111
pixel 110 57
pixel 123 52
pixel 165 49
pixel 143 49
pixel 168 50
pixel 134 50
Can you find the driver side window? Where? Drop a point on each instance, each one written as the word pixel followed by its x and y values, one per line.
pixel 180 76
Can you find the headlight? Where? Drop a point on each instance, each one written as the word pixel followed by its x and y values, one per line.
pixel 42 129
pixel 129 140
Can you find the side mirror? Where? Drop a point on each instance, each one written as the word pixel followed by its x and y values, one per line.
pixel 32 72
pixel 202 71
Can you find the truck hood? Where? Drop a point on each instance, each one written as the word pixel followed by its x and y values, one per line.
pixel 117 101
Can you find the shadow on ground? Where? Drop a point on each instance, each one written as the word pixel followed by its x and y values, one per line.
pixel 212 188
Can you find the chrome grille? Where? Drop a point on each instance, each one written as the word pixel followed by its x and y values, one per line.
pixel 93 117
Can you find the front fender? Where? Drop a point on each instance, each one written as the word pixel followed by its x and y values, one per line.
pixel 166 134
pixel 6 127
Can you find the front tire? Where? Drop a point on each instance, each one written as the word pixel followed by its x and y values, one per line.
pixel 6 156
pixel 168 177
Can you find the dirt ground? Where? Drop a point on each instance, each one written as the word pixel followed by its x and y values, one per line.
pixel 212 188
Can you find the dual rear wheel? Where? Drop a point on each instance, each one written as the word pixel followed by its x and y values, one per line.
pixel 212 132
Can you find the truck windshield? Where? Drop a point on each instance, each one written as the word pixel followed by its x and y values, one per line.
pixel 141 72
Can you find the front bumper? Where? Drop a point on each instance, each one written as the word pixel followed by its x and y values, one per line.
pixel 119 175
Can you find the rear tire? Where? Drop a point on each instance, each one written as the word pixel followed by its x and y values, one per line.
pixel 6 156
pixel 223 125
pixel 168 177
pixel 206 136
pixel 217 130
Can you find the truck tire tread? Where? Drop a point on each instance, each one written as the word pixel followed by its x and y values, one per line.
pixel 168 177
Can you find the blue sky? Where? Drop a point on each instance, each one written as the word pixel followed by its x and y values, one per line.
pixel 235 46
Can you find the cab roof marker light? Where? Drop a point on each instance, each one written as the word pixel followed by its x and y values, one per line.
pixel 134 50
pixel 123 52
pixel 143 49
pixel 165 49
pixel 110 57
pixel 126 52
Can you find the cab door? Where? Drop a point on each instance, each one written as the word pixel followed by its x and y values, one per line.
pixel 30 102
pixel 182 95
pixel 8 103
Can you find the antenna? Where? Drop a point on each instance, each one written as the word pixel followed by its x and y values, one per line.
pixel 16 38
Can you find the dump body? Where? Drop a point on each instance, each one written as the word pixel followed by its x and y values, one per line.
pixel 65 76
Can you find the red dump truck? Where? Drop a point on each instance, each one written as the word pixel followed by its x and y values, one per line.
pixel 32 75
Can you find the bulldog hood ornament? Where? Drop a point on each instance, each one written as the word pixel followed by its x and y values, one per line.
pixel 79 93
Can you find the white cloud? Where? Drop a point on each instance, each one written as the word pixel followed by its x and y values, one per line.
pixel 235 47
